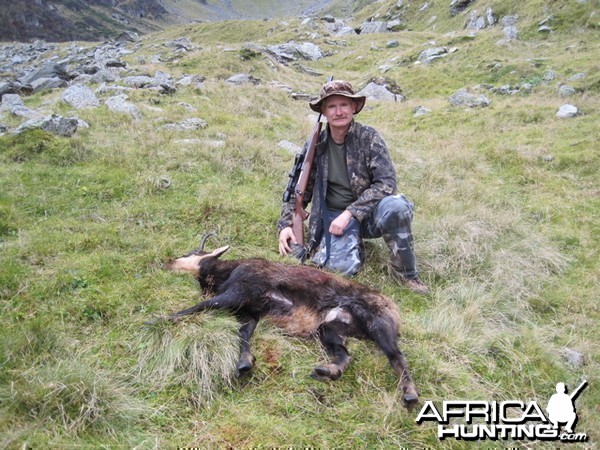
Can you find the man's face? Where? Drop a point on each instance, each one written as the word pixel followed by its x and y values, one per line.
pixel 339 111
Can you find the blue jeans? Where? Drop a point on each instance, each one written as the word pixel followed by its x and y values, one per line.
pixel 391 219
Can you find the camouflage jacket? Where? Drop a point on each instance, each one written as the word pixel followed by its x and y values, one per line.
pixel 370 171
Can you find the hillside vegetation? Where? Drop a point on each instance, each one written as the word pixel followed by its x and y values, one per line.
pixel 507 232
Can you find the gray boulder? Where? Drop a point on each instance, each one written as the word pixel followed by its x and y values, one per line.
pixel 161 82
pixel 458 6
pixel 463 97
pixel 119 104
pixel 577 77
pixel 509 24
pixel 139 81
pixel 549 76
pixel 373 27
pixel 431 54
pixel 567 112
pixel 478 22
pixel 193 123
pixel 196 81
pixel 566 91
pixel 574 358
pixel 374 91
pixel 55 124
pixel 14 87
pixel 292 51
pixel 80 97
pixel 104 76
pixel 289 147
pixel 128 36
pixel 421 111
pixel 242 78
pixel 345 31
pixel 13 103
pixel 10 101
pixel 475 22
pixel 42 84
pixel 48 70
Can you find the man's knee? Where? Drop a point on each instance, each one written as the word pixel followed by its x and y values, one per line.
pixel 347 267
pixel 397 204
pixel 345 255
pixel 393 212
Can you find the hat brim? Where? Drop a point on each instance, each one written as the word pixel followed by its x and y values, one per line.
pixel 360 101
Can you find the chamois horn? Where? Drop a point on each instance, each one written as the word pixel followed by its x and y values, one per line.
pixel 205 238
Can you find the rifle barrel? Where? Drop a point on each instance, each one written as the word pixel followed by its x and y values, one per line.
pixel 580 388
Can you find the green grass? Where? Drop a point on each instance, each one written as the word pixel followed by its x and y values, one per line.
pixel 506 230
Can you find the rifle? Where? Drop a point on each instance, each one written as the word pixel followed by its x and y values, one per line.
pixel 297 184
pixel 577 391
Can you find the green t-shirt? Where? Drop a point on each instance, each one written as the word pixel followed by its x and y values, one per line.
pixel 339 195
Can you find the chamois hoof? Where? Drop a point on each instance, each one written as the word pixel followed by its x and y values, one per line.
pixel 244 366
pixel 410 397
pixel 324 373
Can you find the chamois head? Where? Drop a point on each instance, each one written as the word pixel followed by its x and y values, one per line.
pixel 190 263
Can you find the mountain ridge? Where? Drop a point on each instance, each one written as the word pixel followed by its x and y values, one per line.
pixel 97 20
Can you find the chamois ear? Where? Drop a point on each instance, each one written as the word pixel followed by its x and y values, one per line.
pixel 218 252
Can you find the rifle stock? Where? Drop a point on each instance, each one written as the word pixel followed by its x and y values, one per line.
pixel 299 178
pixel 300 214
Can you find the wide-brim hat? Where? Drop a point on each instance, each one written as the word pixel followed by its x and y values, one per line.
pixel 338 87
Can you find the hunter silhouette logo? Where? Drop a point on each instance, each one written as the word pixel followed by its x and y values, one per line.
pixel 561 406
pixel 512 419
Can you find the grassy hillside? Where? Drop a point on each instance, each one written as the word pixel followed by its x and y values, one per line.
pixel 507 236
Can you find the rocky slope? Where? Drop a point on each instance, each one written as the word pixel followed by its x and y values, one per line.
pixel 97 20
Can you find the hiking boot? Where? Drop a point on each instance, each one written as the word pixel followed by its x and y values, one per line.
pixel 415 285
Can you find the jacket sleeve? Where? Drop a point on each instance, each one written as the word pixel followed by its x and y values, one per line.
pixel 371 171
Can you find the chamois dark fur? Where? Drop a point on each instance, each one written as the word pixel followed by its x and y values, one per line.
pixel 302 300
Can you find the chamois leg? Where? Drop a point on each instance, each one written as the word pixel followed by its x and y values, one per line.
pixel 221 301
pixel 334 343
pixel 385 336
pixel 246 361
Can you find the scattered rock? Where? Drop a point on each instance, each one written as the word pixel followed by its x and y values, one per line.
pixel 48 70
pixel 458 6
pixel 420 111
pixel 292 51
pixel 574 358
pixel 463 97
pixel 375 91
pixel 242 78
pixel 549 76
pixel 33 68
pixel 42 84
pixel 431 54
pixel 577 77
pixel 54 124
pixel 567 112
pixel 194 123
pixel 289 147
pixel 564 90
pixel 80 97
pixel 373 27
pixel 11 101
pixel 119 104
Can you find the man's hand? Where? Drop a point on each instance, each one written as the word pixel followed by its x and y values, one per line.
pixel 340 223
pixel 285 236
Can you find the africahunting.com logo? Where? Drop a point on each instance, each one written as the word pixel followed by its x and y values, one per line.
pixel 512 419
